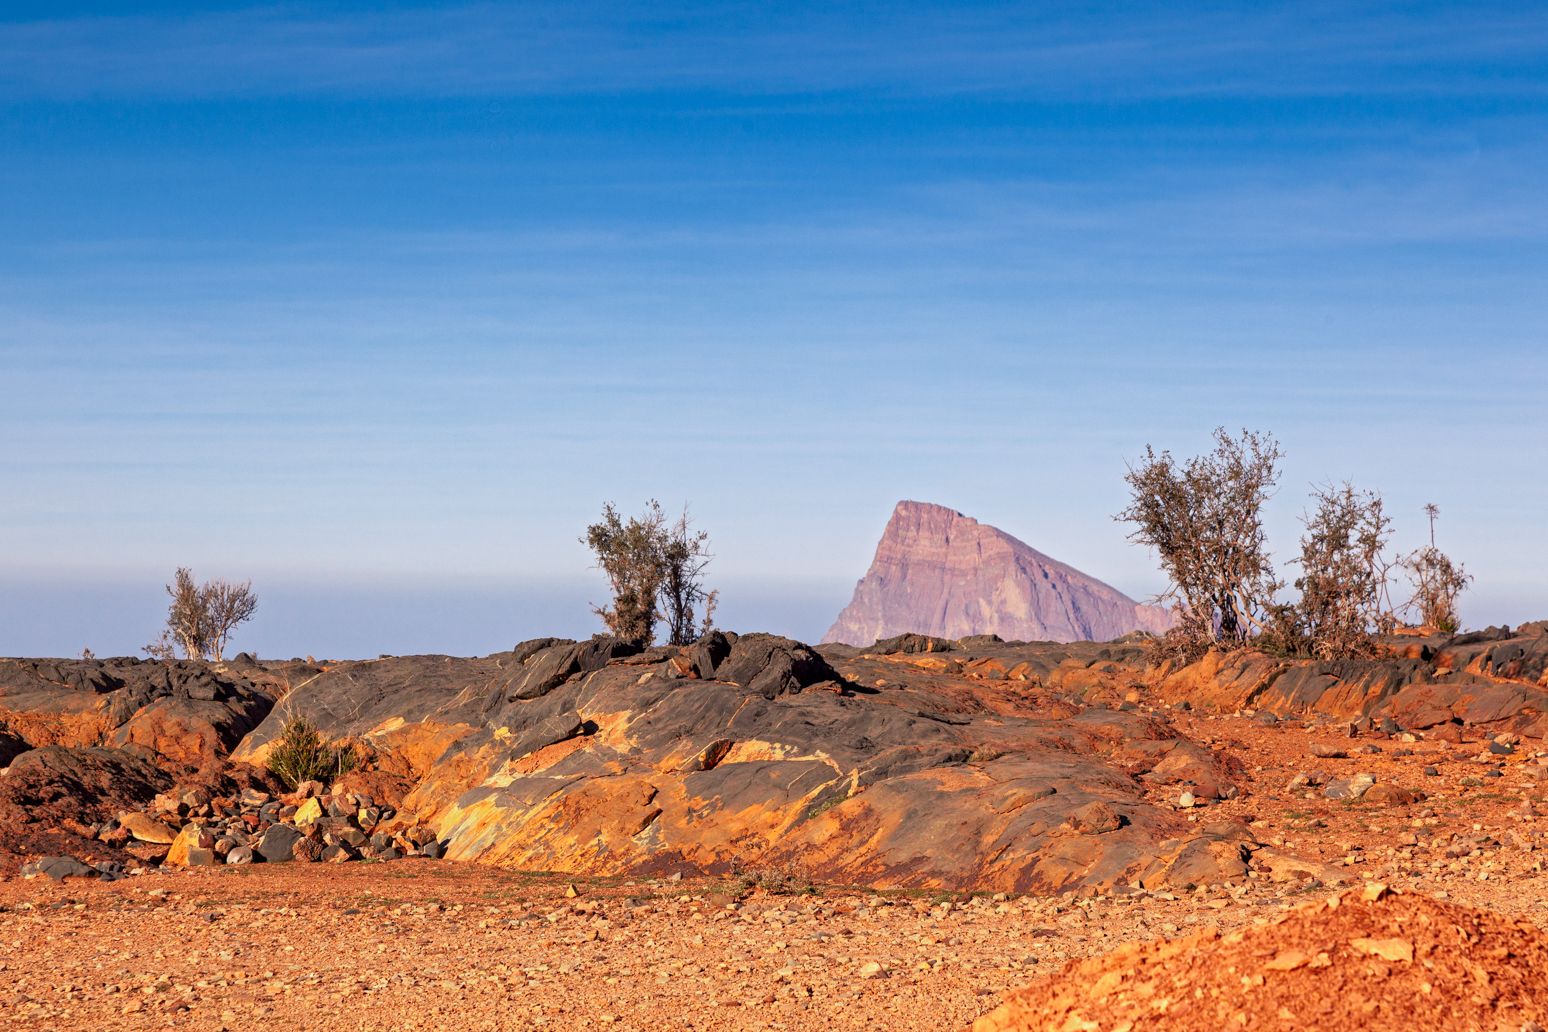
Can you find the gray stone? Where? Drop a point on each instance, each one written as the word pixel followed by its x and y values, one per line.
pixel 278 843
pixel 109 870
pixel 58 868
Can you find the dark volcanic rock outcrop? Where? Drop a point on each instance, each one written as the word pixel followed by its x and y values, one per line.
pixel 83 740
pixel 188 713
pixel 755 750
pixel 938 572
pixel 1495 680
pixel 967 764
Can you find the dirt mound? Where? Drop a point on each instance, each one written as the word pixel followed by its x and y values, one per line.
pixel 1367 958
pixel 52 799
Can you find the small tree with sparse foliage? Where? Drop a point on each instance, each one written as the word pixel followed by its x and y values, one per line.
pixel 1204 518
pixel 1344 574
pixel 200 618
pixel 656 571
pixel 629 552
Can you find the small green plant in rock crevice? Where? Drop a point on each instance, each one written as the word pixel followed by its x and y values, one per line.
pixel 302 754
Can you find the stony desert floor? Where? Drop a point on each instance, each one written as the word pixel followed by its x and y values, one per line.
pixel 427 944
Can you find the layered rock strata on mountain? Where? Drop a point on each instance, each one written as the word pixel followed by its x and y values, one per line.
pixel 938 572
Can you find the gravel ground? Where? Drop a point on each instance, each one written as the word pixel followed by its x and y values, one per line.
pixel 425 944
pixel 420 944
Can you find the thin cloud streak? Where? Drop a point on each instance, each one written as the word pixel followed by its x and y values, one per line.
pixel 533 49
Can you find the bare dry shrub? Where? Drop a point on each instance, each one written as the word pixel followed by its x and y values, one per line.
pixel 1204 518
pixel 1344 574
pixel 1438 582
pixel 685 555
pixel 226 605
pixel 201 618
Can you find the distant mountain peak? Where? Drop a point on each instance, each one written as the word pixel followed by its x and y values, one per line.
pixel 939 572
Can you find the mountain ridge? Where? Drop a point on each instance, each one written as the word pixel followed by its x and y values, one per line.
pixel 937 571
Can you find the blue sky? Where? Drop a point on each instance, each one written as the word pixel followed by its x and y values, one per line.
pixel 378 304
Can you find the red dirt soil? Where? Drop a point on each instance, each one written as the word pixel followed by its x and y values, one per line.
pixel 1367 959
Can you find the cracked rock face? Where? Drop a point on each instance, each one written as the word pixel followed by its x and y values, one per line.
pixel 938 572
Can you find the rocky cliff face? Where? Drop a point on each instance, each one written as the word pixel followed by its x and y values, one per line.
pixel 939 572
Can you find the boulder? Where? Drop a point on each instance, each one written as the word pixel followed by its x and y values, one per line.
pixel 278 843
pixel 708 653
pixel 191 840
pixel 305 850
pixel 11 746
pixel 912 644
pixel 145 828
pixel 773 666
pixel 1095 818
pixel 308 812
pixel 58 868
pixel 1391 795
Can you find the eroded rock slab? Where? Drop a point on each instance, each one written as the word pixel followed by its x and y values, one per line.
pixel 1494 681
pixel 757 750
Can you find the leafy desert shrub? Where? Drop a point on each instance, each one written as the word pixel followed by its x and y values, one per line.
pixel 303 754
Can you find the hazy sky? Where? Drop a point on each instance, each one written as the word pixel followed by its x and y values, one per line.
pixel 377 305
